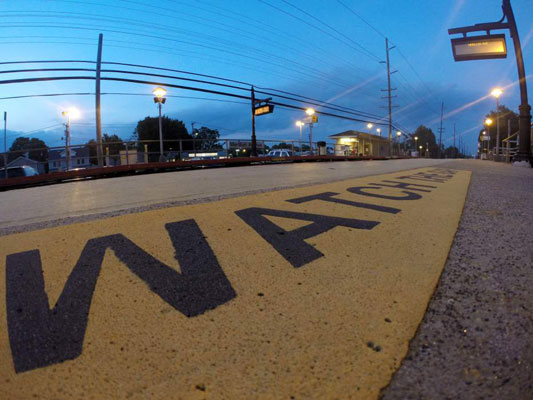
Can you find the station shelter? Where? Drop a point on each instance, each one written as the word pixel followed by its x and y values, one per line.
pixel 351 143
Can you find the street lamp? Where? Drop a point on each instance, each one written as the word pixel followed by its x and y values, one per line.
pixel 369 125
pixel 497 92
pixel 399 135
pixel 300 124
pixel 310 112
pixel 159 98
pixel 416 143
pixel 488 122
pixel 378 130
pixel 71 113
pixel 420 150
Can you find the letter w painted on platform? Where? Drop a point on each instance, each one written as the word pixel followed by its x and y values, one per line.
pixel 40 336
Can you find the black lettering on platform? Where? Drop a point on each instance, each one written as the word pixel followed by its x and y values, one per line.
pixel 40 336
pixel 328 196
pixel 361 190
pixel 291 244
pixel 428 177
pixel 404 185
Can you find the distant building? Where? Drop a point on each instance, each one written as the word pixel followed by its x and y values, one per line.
pixel 24 160
pixel 79 158
pixel 360 143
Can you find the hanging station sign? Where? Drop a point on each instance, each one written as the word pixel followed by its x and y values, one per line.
pixel 479 47
pixel 263 109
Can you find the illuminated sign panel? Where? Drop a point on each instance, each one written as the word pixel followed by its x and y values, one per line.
pixel 479 47
pixel 267 109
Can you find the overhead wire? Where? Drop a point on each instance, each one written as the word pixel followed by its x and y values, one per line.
pixel 315 27
pixel 361 47
pixel 155 83
pixel 210 38
pixel 310 100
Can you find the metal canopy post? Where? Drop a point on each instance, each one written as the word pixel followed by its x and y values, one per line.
pixel 524 150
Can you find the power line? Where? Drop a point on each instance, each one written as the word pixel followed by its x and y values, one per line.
pixel 321 104
pixel 315 27
pixel 368 52
pixel 312 71
pixel 362 19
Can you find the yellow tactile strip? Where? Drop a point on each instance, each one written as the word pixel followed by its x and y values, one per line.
pixel 311 292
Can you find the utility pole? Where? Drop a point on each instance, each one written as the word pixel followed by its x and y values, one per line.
pixel 192 134
pixel 67 144
pixel 440 129
pixel 254 139
pixel 99 152
pixel 5 143
pixel 454 148
pixel 389 92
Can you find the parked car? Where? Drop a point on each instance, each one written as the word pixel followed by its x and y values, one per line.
pixel 17 172
pixel 279 153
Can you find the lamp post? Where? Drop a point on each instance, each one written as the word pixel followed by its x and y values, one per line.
pixel 488 123
pixel 160 99
pixel 310 112
pixel 484 149
pixel 497 92
pixel 420 150
pixel 416 143
pixel 399 136
pixel 71 113
pixel 300 124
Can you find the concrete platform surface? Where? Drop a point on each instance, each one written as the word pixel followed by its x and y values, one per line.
pixel 66 202
pixel 476 340
pixel 310 292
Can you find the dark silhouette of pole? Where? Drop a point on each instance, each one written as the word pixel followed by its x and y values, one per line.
pixel 5 143
pixel 440 129
pixel 454 148
pixel 389 96
pixel 524 149
pixel 254 139
pixel 99 152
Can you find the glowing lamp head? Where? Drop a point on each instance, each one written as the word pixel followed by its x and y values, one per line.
pixel 488 122
pixel 496 92
pixel 378 130
pixel 299 123
pixel 159 92
pixel 71 113
pixel 420 147
pixel 369 125
pixel 398 134
pixel 310 111
pixel 416 137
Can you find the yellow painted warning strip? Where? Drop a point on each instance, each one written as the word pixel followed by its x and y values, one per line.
pixel 311 292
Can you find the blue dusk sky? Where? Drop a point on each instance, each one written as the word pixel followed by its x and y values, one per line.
pixel 325 49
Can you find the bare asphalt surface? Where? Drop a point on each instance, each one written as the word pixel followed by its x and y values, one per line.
pixel 476 339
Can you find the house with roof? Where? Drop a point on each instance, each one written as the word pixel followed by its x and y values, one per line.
pixel 361 144
pixel 24 160
pixel 79 158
